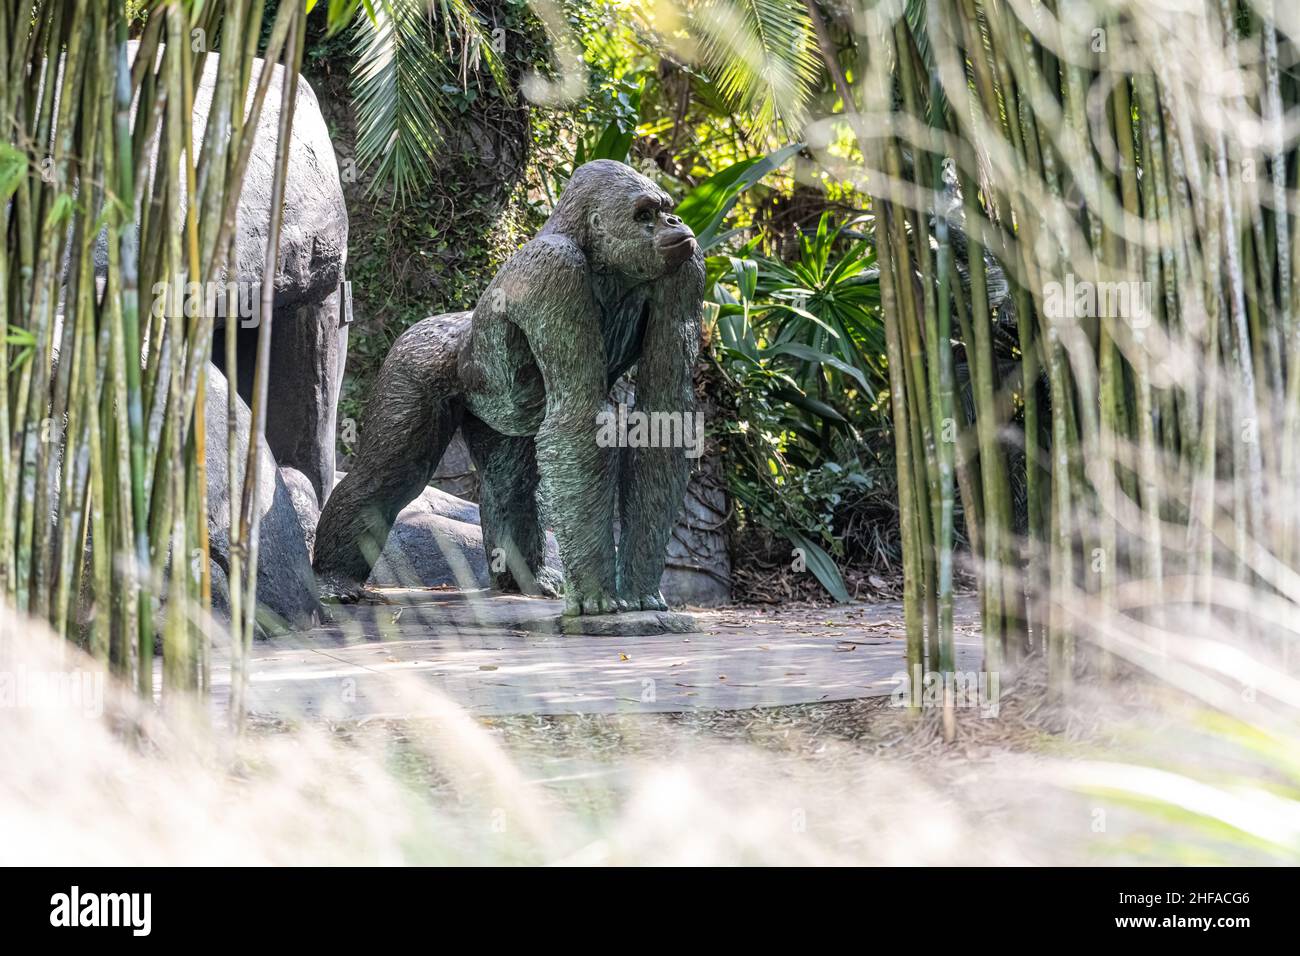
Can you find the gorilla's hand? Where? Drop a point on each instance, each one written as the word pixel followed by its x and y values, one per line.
pixel 643 602
pixel 588 599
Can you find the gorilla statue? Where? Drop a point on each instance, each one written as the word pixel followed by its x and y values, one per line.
pixel 612 280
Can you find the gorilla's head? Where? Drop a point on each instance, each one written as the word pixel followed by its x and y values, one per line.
pixel 623 221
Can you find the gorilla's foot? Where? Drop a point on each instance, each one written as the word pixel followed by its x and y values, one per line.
pixel 547 583
pixel 339 589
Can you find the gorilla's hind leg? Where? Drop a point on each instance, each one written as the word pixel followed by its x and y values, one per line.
pixel 412 415
pixel 386 476
pixel 513 538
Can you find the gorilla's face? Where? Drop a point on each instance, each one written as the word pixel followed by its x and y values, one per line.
pixel 634 231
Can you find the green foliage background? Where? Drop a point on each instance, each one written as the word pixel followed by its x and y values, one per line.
pixel 804 441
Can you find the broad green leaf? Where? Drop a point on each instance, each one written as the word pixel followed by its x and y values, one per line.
pixel 706 206
pixel 613 143
pixel 821 565
pixel 810 354
pixel 746 274
pixel 804 313
pixel 812 406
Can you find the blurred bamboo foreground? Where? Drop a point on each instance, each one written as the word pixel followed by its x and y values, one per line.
pixel 101 393
pixel 1121 177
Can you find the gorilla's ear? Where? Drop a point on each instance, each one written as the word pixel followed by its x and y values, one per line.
pixel 595 229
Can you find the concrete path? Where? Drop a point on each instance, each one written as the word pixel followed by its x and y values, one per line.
pixel 476 650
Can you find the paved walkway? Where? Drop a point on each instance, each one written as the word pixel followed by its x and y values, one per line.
pixel 476 650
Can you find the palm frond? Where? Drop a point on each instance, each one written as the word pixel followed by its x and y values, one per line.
pixel 475 44
pixel 405 62
pixel 762 56
pixel 399 104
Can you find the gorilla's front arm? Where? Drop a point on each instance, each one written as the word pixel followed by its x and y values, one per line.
pixel 548 296
pixel 654 479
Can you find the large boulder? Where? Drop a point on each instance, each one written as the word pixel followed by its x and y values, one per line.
pixel 286 587
pixel 305 504
pixel 455 474
pixel 437 542
pixel 426 549
pixel 309 330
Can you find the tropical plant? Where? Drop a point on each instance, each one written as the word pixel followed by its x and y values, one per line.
pixel 412 58
pixel 761 55
pixel 761 435
pixel 415 56
pixel 707 206
pixel 794 347
pixel 824 306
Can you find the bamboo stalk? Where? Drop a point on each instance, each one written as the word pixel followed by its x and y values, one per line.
pixel 250 510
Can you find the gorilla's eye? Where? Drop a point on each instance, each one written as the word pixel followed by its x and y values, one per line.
pixel 644 215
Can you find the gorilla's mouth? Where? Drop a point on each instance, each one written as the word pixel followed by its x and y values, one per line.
pixel 677 248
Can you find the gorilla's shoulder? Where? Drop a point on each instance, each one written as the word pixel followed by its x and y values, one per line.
pixel 551 255
pixel 437 327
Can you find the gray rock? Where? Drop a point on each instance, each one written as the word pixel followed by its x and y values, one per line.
pixel 437 542
pixel 286 587
pixel 698 569
pixel 303 497
pixel 309 347
pixel 455 474
pixel 441 503
pixel 430 550
pixel 308 335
